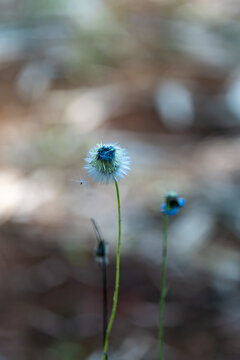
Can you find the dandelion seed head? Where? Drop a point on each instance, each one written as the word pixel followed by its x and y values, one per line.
pixel 107 162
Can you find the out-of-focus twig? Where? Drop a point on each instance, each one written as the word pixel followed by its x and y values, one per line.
pixel 101 255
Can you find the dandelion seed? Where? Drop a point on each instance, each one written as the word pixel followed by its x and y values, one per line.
pixel 80 181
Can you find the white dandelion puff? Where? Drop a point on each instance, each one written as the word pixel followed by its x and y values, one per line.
pixel 107 163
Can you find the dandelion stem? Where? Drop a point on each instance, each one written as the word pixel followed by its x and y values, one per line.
pixel 115 296
pixel 163 286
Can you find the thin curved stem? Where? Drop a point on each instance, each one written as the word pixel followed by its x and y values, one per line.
pixel 115 297
pixel 163 286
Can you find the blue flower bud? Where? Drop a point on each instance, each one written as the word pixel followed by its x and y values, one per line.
pixel 172 203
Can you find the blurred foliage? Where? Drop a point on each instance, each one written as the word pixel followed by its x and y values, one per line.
pixel 65 351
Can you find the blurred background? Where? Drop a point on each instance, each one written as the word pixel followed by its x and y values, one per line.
pixel 162 79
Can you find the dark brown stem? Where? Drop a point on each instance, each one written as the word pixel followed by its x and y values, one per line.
pixel 105 312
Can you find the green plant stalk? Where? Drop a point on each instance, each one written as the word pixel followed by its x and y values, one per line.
pixel 163 286
pixel 115 297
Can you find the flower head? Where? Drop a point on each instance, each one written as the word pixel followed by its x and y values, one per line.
pixel 107 162
pixel 172 203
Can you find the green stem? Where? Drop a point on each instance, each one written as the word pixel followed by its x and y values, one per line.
pixel 115 297
pixel 163 286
